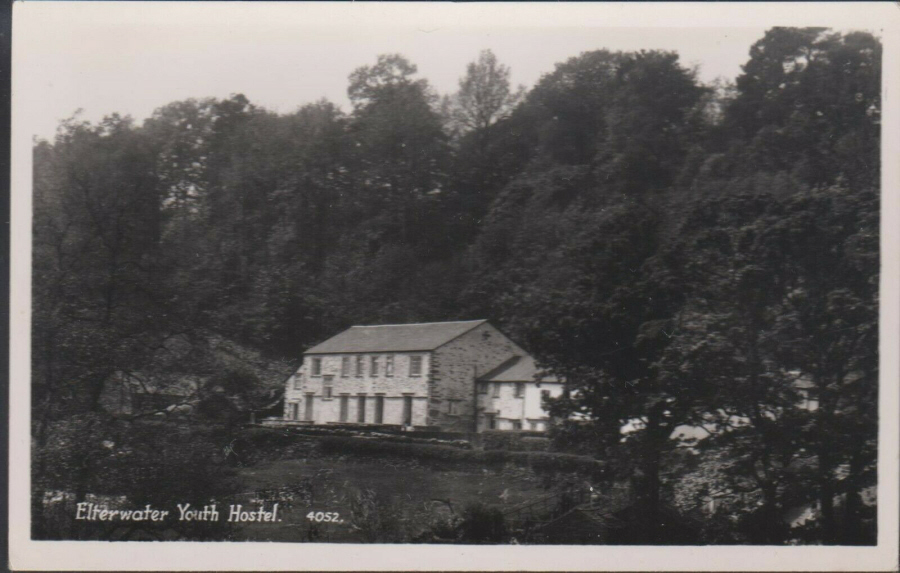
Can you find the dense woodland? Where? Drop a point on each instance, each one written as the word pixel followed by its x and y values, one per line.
pixel 680 253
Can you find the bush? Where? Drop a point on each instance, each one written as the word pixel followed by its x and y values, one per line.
pixel 535 444
pixel 577 437
pixel 387 434
pixel 216 408
pixel 515 441
pixel 377 518
pixel 253 445
pixel 127 465
pixel 482 524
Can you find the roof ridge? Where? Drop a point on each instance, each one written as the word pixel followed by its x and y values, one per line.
pixel 408 337
pixel 419 323
pixel 503 366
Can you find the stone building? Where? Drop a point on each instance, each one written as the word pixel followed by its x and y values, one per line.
pixel 412 375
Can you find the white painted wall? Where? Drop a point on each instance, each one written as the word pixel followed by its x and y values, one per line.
pixel 507 408
pixel 394 388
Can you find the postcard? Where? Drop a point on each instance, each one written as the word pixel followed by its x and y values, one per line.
pixel 440 286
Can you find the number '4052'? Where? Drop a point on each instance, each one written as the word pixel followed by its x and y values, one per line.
pixel 327 516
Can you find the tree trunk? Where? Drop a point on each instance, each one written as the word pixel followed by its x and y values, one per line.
pixel 826 496
pixel 652 517
pixel 852 533
pixel 771 515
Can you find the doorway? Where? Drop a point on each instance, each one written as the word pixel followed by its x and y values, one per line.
pixel 309 408
pixel 407 410
pixel 361 413
pixel 345 400
pixel 379 409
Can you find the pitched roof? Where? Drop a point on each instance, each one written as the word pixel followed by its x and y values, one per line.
pixel 395 337
pixel 516 369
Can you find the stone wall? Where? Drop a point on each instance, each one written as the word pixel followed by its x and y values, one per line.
pixel 454 368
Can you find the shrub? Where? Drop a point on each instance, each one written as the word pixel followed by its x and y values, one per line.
pixel 514 441
pixel 128 465
pixel 577 438
pixel 216 408
pixel 377 518
pixel 482 524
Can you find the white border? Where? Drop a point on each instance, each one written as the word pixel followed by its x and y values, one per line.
pixel 25 554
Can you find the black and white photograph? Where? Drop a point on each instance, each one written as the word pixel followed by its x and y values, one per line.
pixel 462 277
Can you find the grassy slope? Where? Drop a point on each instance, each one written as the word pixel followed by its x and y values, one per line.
pixel 331 484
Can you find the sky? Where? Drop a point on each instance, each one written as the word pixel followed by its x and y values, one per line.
pixel 132 58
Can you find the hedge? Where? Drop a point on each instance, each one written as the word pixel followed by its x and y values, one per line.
pixel 542 462
pixel 515 440
pixel 373 434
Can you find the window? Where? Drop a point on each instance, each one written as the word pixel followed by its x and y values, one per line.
pixel 345 401
pixel 316 366
pixel 516 424
pixel 451 406
pixel 388 366
pixel 328 387
pixel 496 390
pixel 373 366
pixel 520 389
pixel 295 411
pixel 545 394
pixel 359 366
pixel 483 388
pixel 534 425
pixel 491 422
pixel 415 365
pixel 361 412
pixel 297 382
pixel 345 366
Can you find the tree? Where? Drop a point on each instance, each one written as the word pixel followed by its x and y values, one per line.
pixel 781 309
pixel 400 144
pixel 809 103
pixel 102 300
pixel 476 115
pixel 96 239
pixel 484 95
pixel 830 333
pixel 652 120
pixel 735 279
